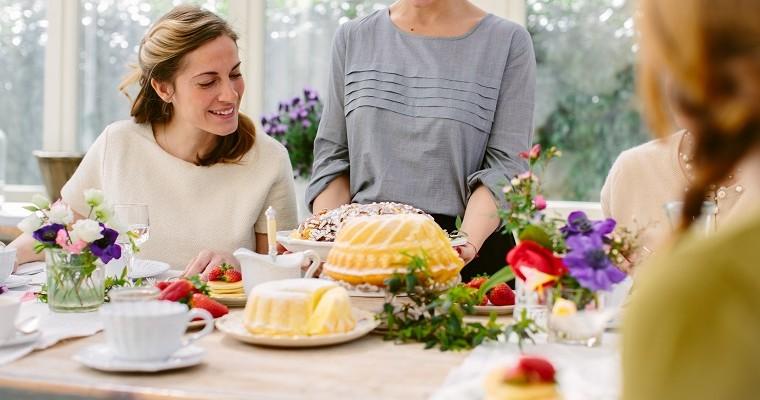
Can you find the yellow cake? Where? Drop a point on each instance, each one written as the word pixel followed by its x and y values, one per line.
pixel 368 250
pixel 298 307
pixel 531 379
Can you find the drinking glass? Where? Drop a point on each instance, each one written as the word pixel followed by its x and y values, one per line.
pixel 134 216
pixel 705 224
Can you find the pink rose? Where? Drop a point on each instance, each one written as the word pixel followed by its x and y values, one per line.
pixel 62 239
pixel 539 202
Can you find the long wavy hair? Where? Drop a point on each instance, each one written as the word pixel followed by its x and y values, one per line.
pixel 709 54
pixel 177 33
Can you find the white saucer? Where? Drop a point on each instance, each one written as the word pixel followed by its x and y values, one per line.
pixel 100 356
pixel 232 325
pixel 15 281
pixel 499 310
pixel 21 338
pixel 147 268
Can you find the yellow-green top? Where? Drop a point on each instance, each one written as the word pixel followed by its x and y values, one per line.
pixel 692 330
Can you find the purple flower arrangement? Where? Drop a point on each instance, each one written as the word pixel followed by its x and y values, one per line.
pixel 594 253
pixel 295 126
pixel 91 238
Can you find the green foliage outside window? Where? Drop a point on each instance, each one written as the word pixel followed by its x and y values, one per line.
pixel 585 100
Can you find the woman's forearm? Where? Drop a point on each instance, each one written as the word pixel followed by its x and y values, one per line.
pixel 24 246
pixel 480 216
pixel 335 194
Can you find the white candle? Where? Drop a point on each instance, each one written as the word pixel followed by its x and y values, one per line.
pixel 271 231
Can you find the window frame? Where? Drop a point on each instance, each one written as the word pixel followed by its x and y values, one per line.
pixel 60 117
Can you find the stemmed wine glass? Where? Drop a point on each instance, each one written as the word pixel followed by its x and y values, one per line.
pixel 134 217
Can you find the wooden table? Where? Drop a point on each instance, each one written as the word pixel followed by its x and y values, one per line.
pixel 368 368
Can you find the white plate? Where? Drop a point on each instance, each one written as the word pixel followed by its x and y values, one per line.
pixel 30 268
pixel 147 268
pixel 500 310
pixel 232 325
pixel 21 338
pixel 100 356
pixel 15 281
pixel 323 248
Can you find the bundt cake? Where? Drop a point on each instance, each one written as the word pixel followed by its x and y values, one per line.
pixel 368 250
pixel 298 307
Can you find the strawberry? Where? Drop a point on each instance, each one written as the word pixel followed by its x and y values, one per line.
pixel 232 275
pixel 476 282
pixel 484 301
pixel 216 309
pixel 176 291
pixel 162 285
pixel 501 295
pixel 531 370
pixel 216 273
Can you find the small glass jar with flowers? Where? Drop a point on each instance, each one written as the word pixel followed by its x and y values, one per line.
pixel 75 251
pixel 563 267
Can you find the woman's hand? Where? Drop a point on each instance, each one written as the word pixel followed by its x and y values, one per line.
pixel 206 259
pixel 467 252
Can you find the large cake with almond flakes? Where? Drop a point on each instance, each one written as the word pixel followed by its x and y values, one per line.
pixel 323 226
pixel 298 307
pixel 368 250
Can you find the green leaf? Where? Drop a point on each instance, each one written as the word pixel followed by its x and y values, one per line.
pixel 503 275
pixel 536 234
pixel 31 208
pixel 458 223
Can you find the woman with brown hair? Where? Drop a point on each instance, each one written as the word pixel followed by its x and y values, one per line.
pixel 691 329
pixel 188 153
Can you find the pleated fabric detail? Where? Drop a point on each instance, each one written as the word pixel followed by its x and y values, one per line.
pixel 420 95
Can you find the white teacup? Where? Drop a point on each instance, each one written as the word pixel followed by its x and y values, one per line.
pixel 7 259
pixel 259 268
pixel 8 311
pixel 150 330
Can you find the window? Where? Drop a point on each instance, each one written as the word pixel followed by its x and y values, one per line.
pixel 23 34
pixel 585 100
pixel 109 39
pixel 298 43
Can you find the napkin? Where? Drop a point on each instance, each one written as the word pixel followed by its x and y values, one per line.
pixel 582 373
pixel 54 327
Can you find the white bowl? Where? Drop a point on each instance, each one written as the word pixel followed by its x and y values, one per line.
pixel 7 258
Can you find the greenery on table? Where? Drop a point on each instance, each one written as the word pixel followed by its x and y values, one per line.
pixel 436 318
pixel 523 328
pixel 585 97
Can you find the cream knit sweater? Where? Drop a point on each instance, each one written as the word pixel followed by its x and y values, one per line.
pixel 644 178
pixel 191 207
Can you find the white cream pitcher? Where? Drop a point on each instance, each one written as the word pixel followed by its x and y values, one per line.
pixel 259 268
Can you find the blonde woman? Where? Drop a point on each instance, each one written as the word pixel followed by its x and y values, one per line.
pixel 691 331
pixel 188 152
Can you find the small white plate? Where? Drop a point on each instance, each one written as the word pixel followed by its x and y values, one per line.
pixel 20 338
pixel 100 356
pixel 30 268
pixel 232 325
pixel 147 268
pixel 499 310
pixel 15 281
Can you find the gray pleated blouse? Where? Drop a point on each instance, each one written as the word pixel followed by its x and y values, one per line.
pixel 424 120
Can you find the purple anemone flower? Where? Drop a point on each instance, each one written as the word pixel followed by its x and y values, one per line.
pixel 295 101
pixel 306 123
pixel 106 248
pixel 587 262
pixel 579 224
pixel 47 233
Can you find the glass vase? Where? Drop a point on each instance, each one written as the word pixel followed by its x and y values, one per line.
pixel 75 282
pixel 577 316
pixel 533 302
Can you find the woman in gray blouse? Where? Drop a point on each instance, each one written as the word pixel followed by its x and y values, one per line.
pixel 429 103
